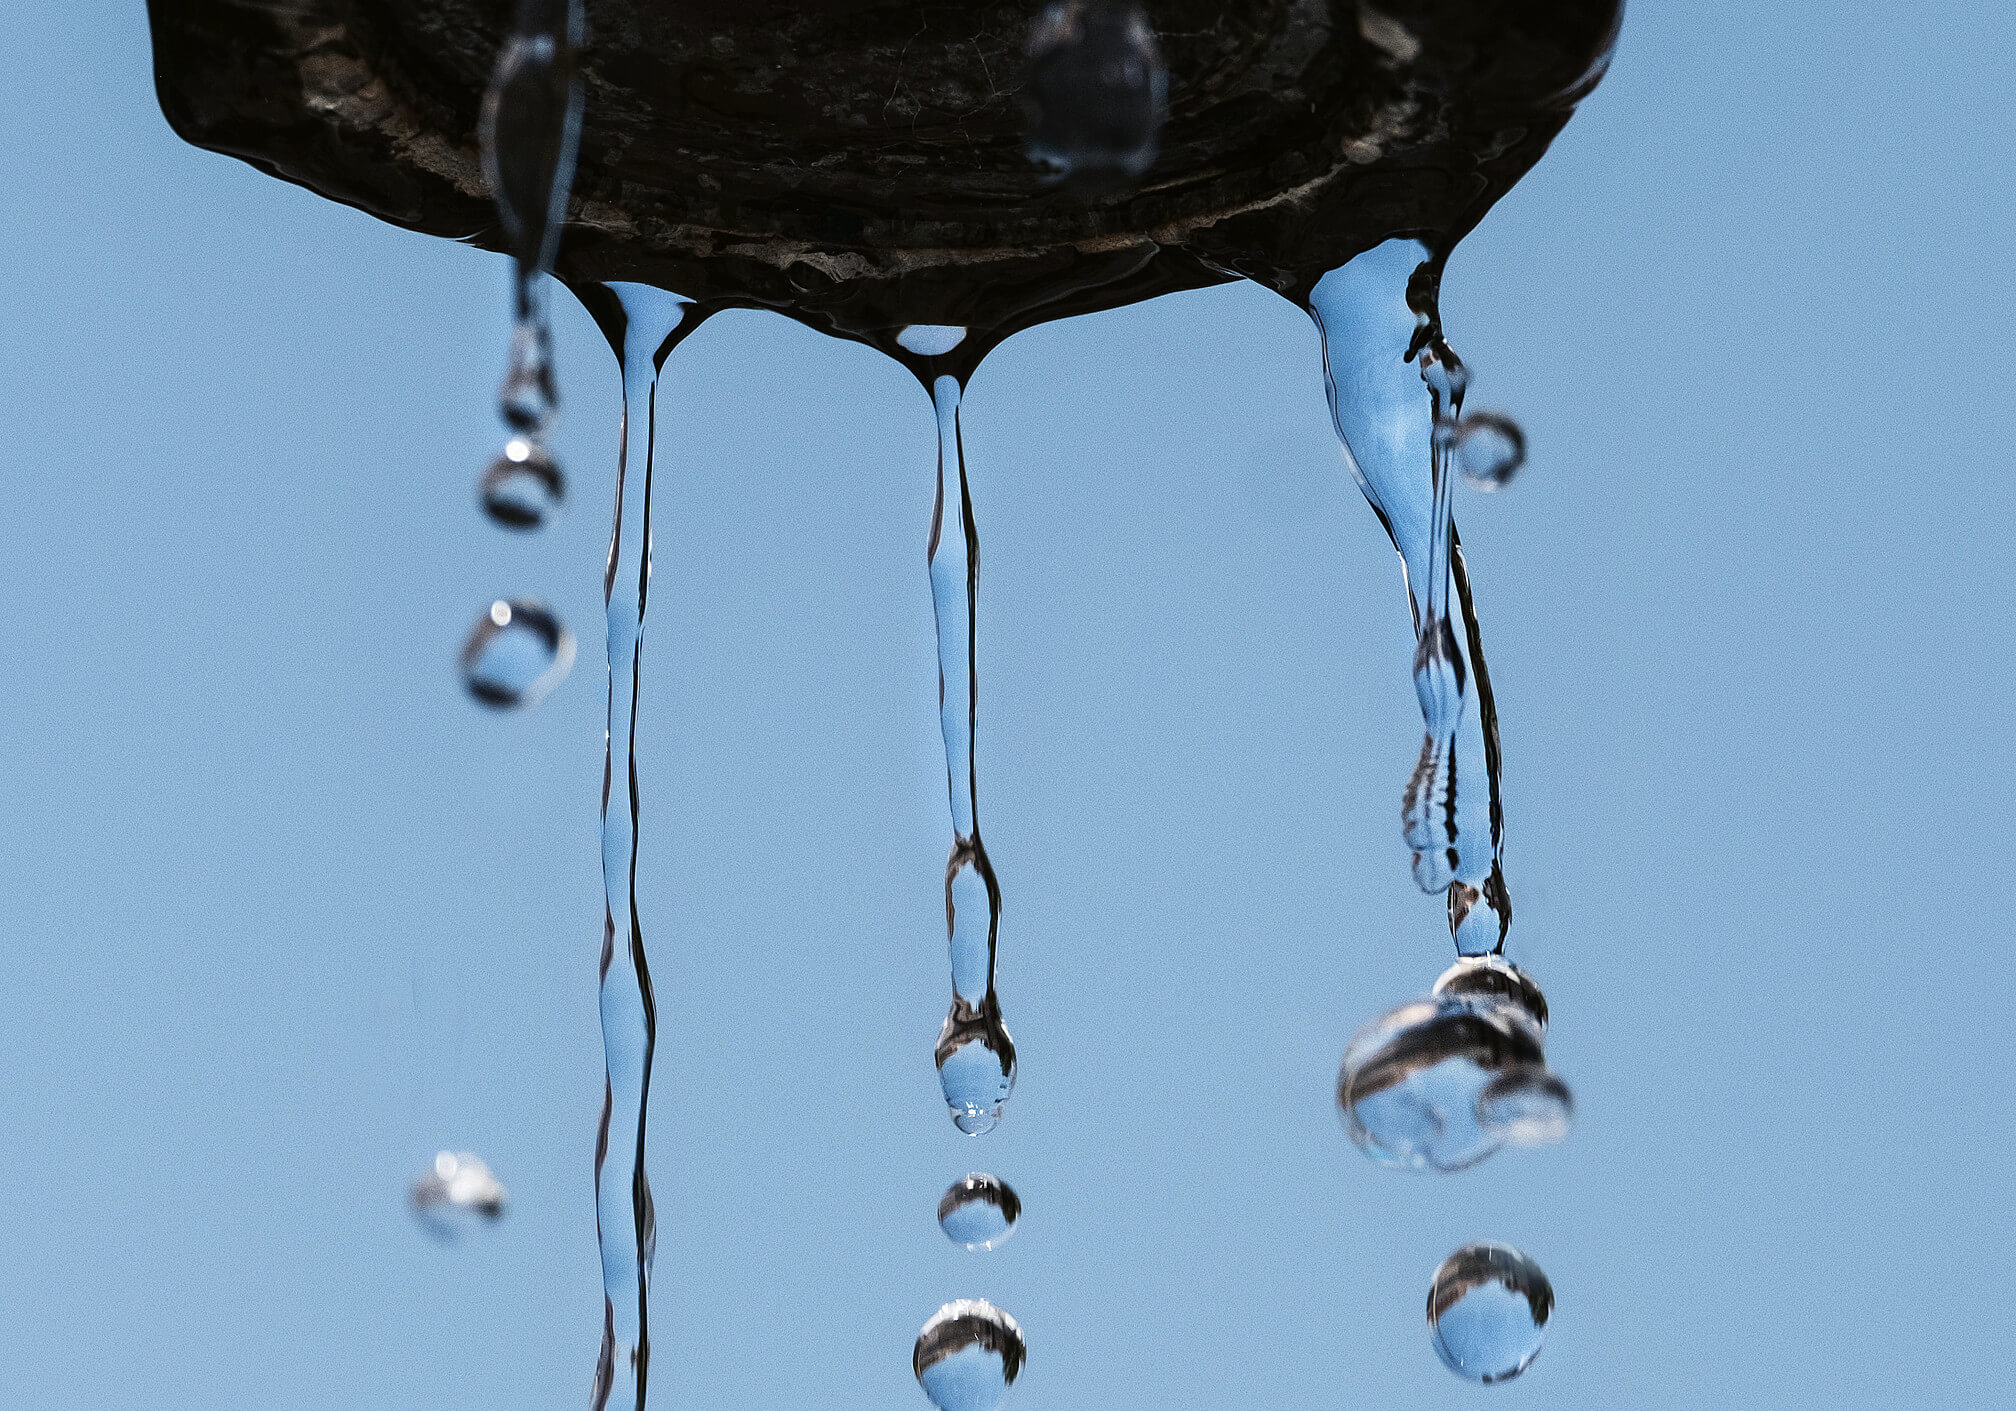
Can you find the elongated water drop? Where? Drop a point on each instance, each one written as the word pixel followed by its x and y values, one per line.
pixel 1490 448
pixel 643 326
pixel 1396 396
pixel 968 1355
pixel 516 654
pixel 1095 91
pixel 457 1191
pixel 523 488
pixel 1488 1309
pixel 979 1211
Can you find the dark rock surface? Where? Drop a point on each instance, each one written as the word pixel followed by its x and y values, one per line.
pixel 859 163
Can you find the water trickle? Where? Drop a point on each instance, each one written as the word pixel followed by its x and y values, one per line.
pixel 644 325
pixel 968 1355
pixel 1440 1083
pixel 1490 448
pixel 530 131
pixel 523 488
pixel 516 654
pixel 456 1192
pixel 1488 1309
pixel 1095 90
pixel 1396 396
pixel 975 1056
pixel 979 1211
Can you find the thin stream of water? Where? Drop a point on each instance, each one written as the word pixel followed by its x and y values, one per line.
pixel 651 325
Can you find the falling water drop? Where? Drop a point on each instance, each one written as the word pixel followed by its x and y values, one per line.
pixel 516 654
pixel 1526 1106
pixel 974 1054
pixel 1396 393
pixel 1488 1309
pixel 968 1355
pixel 1414 1082
pixel 523 487
pixel 979 1211
pixel 456 1191
pixel 1095 91
pixel 1490 448
pixel 1496 977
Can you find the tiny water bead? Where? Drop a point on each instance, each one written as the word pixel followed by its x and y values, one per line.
pixel 1487 1312
pixel 979 1212
pixel 1439 1084
pixel 456 1192
pixel 968 1355
pixel 1095 91
pixel 1489 448
pixel 523 488
pixel 516 654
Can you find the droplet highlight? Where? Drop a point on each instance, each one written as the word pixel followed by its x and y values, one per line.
pixel 1488 1309
pixel 517 652
pixel 1490 448
pixel 979 1211
pixel 968 1355
pixel 523 489
pixel 1095 91
pixel 457 1192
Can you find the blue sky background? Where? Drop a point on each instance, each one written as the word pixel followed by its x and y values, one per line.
pixel 283 912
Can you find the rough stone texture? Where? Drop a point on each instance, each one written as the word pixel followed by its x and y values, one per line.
pixel 859 164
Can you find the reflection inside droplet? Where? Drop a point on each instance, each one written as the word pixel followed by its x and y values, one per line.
pixel 976 1066
pixel 1490 448
pixel 1440 1083
pixel 523 487
pixel 516 654
pixel 979 1212
pixel 1487 1311
pixel 458 1192
pixel 1096 89
pixel 930 340
pixel 967 1356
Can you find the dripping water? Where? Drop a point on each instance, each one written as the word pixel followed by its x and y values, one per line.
pixel 1396 396
pixel 644 325
pixel 530 131
pixel 974 1054
pixel 968 1355
pixel 1488 1310
pixel 979 1211
pixel 515 655
pixel 456 1192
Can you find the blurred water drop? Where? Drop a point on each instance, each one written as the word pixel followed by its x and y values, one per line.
pixel 516 654
pixel 968 1355
pixel 529 401
pixel 523 488
pixel 458 1191
pixel 1526 1107
pixel 1095 90
pixel 1487 1311
pixel 979 1211
pixel 1412 1081
pixel 1490 448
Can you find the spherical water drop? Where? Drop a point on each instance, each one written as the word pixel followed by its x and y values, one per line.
pixel 456 1192
pixel 1526 1107
pixel 979 1212
pixel 517 653
pixel 1487 1311
pixel 1096 90
pixel 1411 1079
pixel 967 1356
pixel 523 487
pixel 1490 448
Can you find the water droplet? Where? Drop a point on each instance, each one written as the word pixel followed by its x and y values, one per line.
pixel 529 400
pixel 1412 1079
pixel 523 487
pixel 1495 976
pixel 516 654
pixel 1095 91
pixel 1487 1311
pixel 455 1193
pixel 930 340
pixel 979 1212
pixel 1490 448
pixel 1526 1107
pixel 968 1355
pixel 976 1066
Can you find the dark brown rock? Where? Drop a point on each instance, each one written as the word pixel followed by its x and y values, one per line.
pixel 859 163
